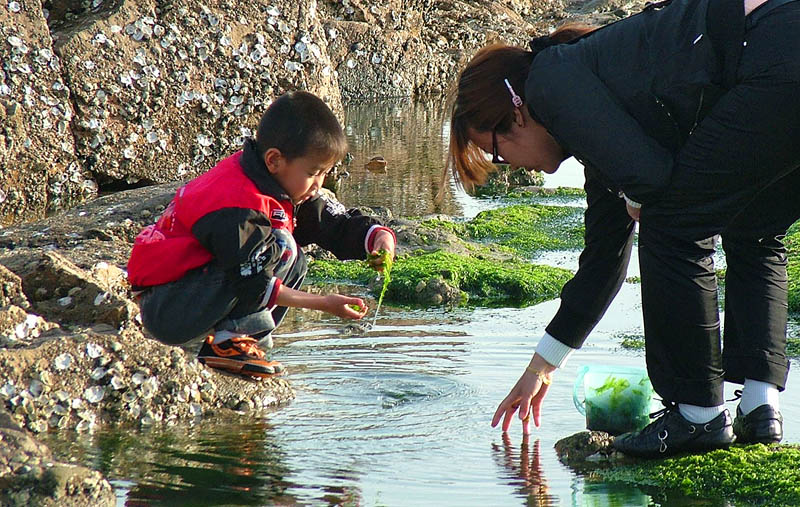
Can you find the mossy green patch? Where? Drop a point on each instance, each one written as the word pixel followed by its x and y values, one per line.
pixel 793 347
pixel 632 342
pixel 792 243
pixel 487 282
pixel 355 272
pixel 505 178
pixel 757 473
pixel 525 228
pixel 548 192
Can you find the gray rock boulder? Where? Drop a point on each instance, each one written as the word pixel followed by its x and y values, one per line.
pixel 126 93
pixel 163 90
pixel 39 170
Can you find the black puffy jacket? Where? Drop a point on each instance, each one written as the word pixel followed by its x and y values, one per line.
pixel 624 98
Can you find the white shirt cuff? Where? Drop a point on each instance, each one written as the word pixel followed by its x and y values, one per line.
pixel 553 351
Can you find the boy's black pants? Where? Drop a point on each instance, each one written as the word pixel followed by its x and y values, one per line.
pixel 738 177
pixel 203 301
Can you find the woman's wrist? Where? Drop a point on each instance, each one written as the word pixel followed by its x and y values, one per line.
pixel 538 363
pixel 541 368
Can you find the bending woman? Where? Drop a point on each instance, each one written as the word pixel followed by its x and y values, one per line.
pixel 686 117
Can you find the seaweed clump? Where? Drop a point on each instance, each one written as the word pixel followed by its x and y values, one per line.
pixel 792 243
pixel 522 228
pixel 756 473
pixel 459 279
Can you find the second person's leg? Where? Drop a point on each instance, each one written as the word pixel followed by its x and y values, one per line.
pixel 747 142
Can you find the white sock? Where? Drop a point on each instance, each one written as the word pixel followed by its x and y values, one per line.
pixel 699 415
pixel 757 393
pixel 221 336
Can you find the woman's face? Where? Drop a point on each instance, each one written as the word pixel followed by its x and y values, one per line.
pixel 528 145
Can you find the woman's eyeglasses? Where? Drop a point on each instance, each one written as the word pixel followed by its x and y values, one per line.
pixel 496 158
pixel 517 101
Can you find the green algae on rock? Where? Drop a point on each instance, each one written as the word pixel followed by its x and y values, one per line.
pixel 505 180
pixel 524 228
pixel 792 243
pixel 768 475
pixel 480 281
pixel 485 281
pixel 629 342
pixel 793 347
pixel 545 192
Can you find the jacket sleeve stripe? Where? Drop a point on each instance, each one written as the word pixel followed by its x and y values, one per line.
pixel 369 239
pixel 271 294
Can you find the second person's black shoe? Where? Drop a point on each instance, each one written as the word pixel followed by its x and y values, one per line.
pixel 763 425
pixel 671 434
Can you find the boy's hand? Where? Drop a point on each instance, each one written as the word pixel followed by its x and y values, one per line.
pixel 383 241
pixel 345 307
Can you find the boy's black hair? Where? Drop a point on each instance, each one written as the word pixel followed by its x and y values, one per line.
pixel 299 123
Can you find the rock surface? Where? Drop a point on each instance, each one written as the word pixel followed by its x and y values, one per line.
pixel 30 475
pixel 587 449
pixel 117 93
pixel 72 351
pixel 39 170
pixel 163 90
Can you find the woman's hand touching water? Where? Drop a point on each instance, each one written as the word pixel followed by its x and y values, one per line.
pixel 526 396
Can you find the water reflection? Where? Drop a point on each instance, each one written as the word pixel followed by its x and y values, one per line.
pixel 212 463
pixel 523 470
pixel 412 137
pixel 603 494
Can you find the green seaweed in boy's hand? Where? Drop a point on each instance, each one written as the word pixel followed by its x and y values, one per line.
pixel 355 307
pixel 380 260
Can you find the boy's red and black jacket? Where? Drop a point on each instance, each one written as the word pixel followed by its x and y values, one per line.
pixel 229 214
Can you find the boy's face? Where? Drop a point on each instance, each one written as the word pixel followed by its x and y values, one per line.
pixel 302 177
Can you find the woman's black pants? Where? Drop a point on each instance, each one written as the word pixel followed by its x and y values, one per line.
pixel 738 178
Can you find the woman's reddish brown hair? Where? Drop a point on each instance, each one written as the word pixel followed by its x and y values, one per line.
pixel 481 102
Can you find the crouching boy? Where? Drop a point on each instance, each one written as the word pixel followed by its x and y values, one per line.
pixel 223 261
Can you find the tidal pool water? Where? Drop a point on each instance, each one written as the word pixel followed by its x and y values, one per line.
pixel 398 415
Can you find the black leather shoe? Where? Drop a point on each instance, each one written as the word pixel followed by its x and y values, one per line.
pixel 671 434
pixel 763 425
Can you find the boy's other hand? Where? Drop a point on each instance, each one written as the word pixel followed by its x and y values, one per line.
pixel 383 241
pixel 345 307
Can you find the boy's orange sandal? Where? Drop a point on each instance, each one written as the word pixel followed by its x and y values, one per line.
pixel 239 355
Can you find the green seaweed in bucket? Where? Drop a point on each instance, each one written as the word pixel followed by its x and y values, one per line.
pixel 387 262
pixel 618 407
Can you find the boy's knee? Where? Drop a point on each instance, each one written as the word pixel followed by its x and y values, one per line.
pixel 179 312
pixel 169 330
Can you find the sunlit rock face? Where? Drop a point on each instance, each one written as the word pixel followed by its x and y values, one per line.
pixel 39 170
pixel 163 90
pixel 108 94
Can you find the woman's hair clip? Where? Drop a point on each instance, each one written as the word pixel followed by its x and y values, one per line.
pixel 515 99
